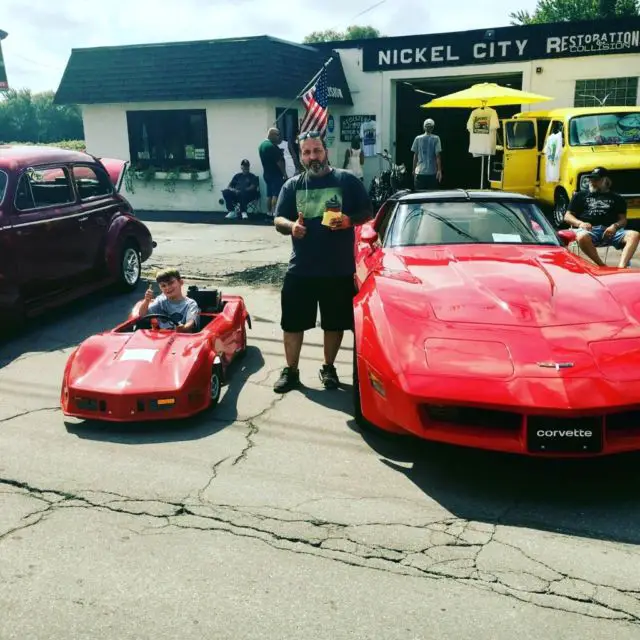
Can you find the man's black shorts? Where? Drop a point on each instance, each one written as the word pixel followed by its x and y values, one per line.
pixel 301 296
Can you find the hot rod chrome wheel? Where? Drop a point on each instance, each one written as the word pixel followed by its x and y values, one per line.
pixel 131 266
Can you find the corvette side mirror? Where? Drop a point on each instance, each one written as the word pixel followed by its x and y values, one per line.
pixel 369 235
pixel 566 236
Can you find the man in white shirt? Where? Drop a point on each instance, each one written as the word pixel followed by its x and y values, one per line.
pixel 427 163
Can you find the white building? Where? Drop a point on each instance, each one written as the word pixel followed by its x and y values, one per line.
pixel 197 108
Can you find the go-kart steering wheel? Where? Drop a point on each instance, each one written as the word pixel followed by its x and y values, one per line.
pixel 150 316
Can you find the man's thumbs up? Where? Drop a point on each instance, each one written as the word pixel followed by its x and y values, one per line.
pixel 299 230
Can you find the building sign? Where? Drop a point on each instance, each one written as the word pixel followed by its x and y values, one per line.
pixel 4 85
pixel 350 126
pixel 335 92
pixel 507 44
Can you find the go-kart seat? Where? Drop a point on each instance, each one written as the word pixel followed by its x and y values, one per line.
pixel 208 300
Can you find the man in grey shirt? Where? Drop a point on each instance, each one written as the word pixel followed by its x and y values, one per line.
pixel 427 164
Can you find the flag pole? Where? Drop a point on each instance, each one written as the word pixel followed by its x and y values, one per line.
pixel 309 84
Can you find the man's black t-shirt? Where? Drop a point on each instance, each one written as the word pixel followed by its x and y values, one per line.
pixel 244 181
pixel 597 208
pixel 323 252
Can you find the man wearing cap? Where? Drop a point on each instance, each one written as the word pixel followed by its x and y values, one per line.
pixel 427 165
pixel 242 190
pixel 601 216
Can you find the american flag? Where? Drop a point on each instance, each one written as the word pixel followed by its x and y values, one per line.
pixel 316 102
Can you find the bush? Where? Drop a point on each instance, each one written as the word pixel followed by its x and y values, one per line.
pixel 71 145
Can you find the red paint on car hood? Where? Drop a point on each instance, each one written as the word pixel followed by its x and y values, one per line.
pixel 511 285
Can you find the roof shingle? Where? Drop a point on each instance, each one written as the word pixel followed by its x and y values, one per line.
pixel 256 67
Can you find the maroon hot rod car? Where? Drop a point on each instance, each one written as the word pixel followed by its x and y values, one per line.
pixel 65 229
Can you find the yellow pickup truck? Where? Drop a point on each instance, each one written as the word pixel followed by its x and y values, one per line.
pixel 590 137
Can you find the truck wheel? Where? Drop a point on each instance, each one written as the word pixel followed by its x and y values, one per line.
pixel 560 207
pixel 130 266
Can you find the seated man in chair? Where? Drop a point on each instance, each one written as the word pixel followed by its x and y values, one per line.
pixel 600 216
pixel 242 191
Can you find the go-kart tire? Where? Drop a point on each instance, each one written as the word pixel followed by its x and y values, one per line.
pixel 129 267
pixel 215 388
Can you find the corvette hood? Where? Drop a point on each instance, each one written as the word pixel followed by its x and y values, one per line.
pixel 509 285
pixel 140 362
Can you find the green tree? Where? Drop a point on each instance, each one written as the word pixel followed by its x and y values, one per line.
pixel 354 32
pixel 33 117
pixel 573 10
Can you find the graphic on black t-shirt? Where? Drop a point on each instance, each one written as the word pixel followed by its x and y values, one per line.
pixel 598 209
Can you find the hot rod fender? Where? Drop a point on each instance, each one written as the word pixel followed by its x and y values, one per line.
pixel 124 228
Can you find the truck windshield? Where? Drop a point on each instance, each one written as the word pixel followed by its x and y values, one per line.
pixel 604 129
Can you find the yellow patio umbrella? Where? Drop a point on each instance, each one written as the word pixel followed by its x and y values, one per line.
pixel 486 94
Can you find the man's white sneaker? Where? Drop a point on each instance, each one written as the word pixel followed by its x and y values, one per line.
pixel 232 215
pixel 245 215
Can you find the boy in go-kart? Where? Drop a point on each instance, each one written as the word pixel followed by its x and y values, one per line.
pixel 182 310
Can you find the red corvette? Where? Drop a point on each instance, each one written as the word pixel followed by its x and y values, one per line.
pixel 475 326
pixel 137 372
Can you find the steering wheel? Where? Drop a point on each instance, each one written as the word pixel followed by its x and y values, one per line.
pixel 147 321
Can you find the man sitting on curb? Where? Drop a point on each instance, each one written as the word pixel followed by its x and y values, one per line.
pixel 600 216
pixel 242 190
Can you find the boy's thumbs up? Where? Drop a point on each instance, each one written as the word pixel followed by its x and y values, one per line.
pixel 300 218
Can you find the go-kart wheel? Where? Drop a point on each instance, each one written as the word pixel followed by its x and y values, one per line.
pixel 129 267
pixel 216 385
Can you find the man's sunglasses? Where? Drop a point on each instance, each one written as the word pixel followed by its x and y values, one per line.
pixel 309 134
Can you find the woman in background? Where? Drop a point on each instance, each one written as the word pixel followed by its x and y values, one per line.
pixel 354 158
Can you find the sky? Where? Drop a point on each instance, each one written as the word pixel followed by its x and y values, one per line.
pixel 42 33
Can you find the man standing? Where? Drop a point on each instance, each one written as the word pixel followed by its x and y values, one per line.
pixel 601 216
pixel 322 265
pixel 273 166
pixel 427 162
pixel 242 190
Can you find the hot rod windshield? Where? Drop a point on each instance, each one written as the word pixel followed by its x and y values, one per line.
pixel 605 129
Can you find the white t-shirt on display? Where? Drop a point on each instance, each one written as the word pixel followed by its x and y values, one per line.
pixel 482 127
pixel 368 137
pixel 553 152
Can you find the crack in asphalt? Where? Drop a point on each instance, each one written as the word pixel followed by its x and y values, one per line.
pixel 27 413
pixel 464 551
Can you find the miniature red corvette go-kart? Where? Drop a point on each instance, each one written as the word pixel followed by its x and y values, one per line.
pixel 136 372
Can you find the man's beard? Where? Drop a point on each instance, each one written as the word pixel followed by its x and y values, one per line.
pixel 317 167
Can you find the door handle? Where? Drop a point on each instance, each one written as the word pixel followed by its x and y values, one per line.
pixel 83 219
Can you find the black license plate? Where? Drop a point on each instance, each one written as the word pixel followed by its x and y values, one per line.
pixel 564 435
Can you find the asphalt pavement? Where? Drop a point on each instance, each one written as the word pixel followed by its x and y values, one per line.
pixel 274 516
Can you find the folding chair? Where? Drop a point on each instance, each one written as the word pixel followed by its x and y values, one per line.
pixel 253 207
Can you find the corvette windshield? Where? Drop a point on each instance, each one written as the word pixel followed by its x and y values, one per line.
pixel 433 223
pixel 604 129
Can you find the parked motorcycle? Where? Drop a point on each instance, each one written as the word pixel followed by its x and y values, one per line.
pixel 387 182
